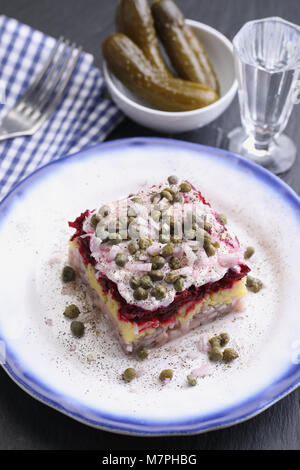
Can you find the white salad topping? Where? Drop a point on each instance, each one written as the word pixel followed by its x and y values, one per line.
pixel 154 214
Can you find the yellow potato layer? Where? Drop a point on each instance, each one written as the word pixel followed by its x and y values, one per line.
pixel 127 329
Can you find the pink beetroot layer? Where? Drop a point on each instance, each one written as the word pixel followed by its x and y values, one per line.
pixel 133 313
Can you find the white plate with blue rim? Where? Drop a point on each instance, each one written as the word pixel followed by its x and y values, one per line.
pixel 82 377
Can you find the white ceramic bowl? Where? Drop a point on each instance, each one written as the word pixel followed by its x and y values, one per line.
pixel 220 52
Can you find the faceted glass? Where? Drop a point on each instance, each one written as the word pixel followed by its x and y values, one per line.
pixel 267 61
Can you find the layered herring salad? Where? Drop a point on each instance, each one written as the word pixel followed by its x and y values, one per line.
pixel 159 242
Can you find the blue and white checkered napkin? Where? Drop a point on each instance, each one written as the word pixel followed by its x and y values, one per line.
pixel 82 118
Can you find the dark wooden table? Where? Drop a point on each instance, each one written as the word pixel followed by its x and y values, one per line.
pixel 26 423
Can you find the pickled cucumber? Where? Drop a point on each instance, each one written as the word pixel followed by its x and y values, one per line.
pixel 128 63
pixel 185 51
pixel 134 18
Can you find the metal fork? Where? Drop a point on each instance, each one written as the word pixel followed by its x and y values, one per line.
pixel 43 95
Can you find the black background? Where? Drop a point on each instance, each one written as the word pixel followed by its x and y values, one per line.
pixel 26 423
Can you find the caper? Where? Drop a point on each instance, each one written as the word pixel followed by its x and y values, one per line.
pixel 133 247
pixel 215 354
pixel 140 294
pixel 138 254
pixel 104 211
pixel 71 311
pixel 157 262
pixel 222 218
pixel 185 187
pixel 192 380
pixel 207 240
pixel 115 238
pixel 224 339
pixel 207 227
pixel 215 341
pixel 172 179
pixel 131 212
pixel 146 282
pixel 171 278
pixel 156 215
pixel 166 194
pixel 210 250
pixel 179 285
pixel 134 282
pixel 177 197
pixel 166 374
pixel 167 250
pixel 121 259
pixel 253 284
pixel 144 243
pixel 229 355
pixel 174 263
pixel 156 275
pixel 95 219
pixel 77 328
pixel 129 374
pixel 207 237
pixel 68 274
pixel 159 292
pixel 142 353
pixel 249 252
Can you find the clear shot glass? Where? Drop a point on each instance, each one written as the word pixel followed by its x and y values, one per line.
pixel 267 62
